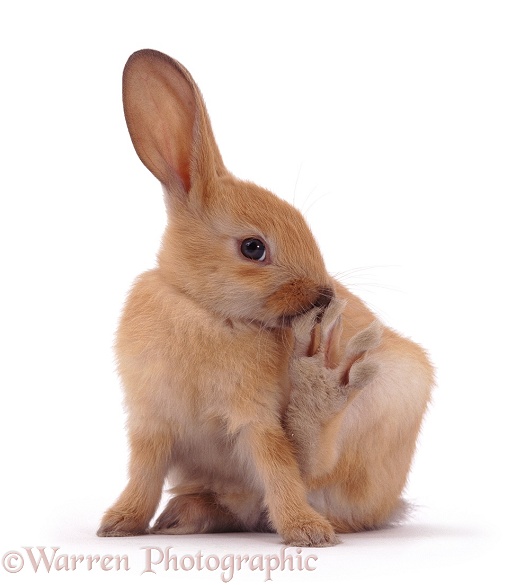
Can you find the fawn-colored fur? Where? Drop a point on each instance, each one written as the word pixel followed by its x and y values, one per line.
pixel 267 393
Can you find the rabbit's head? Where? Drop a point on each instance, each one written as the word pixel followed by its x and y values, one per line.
pixel 233 247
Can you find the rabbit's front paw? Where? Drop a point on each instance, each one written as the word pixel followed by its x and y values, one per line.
pixel 312 530
pixel 324 376
pixel 118 523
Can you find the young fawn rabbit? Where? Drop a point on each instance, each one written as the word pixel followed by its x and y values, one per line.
pixel 268 394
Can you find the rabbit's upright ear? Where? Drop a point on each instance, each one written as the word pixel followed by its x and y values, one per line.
pixel 168 122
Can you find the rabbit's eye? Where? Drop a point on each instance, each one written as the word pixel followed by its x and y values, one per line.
pixel 253 249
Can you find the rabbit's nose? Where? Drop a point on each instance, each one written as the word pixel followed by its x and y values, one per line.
pixel 326 294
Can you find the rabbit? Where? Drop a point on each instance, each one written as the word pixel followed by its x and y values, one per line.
pixel 267 395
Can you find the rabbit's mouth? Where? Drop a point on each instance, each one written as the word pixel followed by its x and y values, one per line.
pixel 321 301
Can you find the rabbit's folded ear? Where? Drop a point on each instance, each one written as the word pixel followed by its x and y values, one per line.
pixel 168 122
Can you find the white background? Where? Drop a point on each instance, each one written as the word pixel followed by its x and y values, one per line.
pixel 397 127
